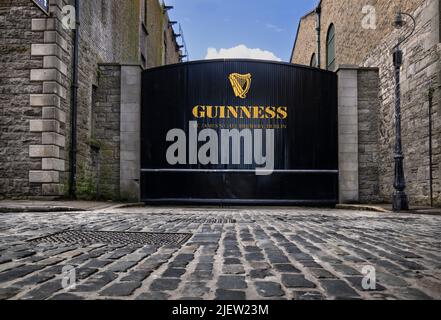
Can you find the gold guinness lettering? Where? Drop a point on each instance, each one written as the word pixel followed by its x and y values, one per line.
pixel 240 112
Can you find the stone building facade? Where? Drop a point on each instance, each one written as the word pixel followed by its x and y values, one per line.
pixel 364 38
pixel 36 59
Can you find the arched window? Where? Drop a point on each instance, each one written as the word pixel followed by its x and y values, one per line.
pixel 330 48
pixel 313 62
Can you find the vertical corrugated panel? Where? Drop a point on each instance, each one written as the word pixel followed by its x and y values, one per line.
pixel 306 155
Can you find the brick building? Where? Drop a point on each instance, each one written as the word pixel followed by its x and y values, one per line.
pixel 355 39
pixel 117 39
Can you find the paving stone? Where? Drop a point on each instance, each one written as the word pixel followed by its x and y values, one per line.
pixel 233 269
pixel 338 289
pixel 16 273
pixel 389 266
pixel 391 280
pixel 260 274
pixel 7 293
pixel 97 264
pixel 296 281
pixel 286 268
pixel 21 254
pixel 136 276
pixel 83 273
pixel 255 256
pixel 232 261
pixel 149 296
pixel 34 279
pixel 136 257
pixel 44 291
pixel 238 254
pixel 252 249
pixel 96 282
pixel 204 266
pixel 301 257
pixel 201 275
pixel 232 282
pixel 357 282
pixel 66 297
pixel 277 258
pixel 269 289
pixel 206 259
pixel 346 270
pixel 412 294
pixel 260 265
pixel 173 273
pixel 118 254
pixel 204 238
pixel 165 284
pixel 307 295
pixel 195 289
pixel 5 259
pixel 411 265
pixel 122 266
pixel 321 273
pixel 122 289
pixel 228 295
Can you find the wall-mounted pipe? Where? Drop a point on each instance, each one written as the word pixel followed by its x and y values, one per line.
pixel 74 105
pixel 430 146
pixel 318 12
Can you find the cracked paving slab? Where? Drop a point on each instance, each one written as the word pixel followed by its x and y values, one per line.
pixel 264 253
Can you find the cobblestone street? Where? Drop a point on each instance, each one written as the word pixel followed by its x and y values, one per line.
pixel 231 254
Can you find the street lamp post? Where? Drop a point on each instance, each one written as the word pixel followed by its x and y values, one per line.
pixel 399 200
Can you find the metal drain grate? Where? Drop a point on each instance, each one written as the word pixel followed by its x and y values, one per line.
pixel 201 221
pixel 112 237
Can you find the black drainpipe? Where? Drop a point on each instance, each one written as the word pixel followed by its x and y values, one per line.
pixel 430 146
pixel 74 107
pixel 318 28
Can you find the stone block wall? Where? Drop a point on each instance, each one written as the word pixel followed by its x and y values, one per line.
pixel 348 135
pixel 419 74
pixel 105 133
pixel 161 43
pixel 130 133
pixel 35 92
pixel 108 34
pixel 371 48
pixel 304 47
pixel 368 123
pixel 33 88
pixel 353 42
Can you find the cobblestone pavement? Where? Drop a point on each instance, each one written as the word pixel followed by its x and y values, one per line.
pixel 263 254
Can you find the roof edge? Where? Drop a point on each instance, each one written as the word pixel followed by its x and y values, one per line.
pixel 298 27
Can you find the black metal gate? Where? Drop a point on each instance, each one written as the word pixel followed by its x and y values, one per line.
pixel 239 132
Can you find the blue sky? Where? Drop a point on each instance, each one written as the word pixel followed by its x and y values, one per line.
pixel 266 25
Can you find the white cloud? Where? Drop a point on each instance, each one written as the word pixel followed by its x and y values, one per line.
pixel 241 52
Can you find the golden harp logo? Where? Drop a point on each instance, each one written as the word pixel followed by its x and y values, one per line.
pixel 241 84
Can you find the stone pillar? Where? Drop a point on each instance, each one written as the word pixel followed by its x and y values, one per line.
pixel 348 133
pixel 52 122
pixel 130 134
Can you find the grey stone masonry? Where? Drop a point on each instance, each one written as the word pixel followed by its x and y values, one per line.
pixel 358 113
pixel 130 164
pixel 420 73
pixel 348 134
pixel 105 130
pixel 368 122
pixel 52 123
pixel 32 99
